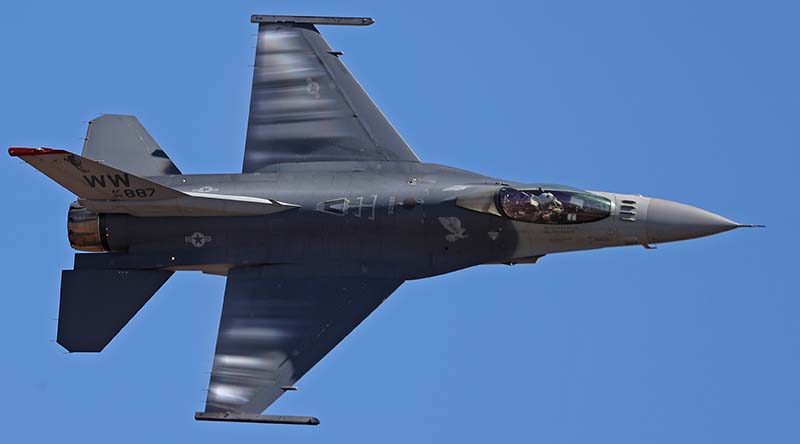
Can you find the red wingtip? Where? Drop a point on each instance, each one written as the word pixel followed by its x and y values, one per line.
pixel 20 151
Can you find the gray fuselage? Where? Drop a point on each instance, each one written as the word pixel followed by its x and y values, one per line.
pixel 389 219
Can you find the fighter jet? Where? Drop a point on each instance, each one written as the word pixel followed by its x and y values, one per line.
pixel 332 212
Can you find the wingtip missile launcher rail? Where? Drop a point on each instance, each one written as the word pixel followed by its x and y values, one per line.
pixel 312 20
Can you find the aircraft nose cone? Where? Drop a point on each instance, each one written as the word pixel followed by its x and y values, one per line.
pixel 669 221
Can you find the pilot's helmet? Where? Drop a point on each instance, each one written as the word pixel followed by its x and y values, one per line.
pixel 546 198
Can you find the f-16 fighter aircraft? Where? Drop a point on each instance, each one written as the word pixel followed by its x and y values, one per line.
pixel 331 213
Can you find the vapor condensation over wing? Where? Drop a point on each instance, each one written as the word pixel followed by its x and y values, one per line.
pixel 306 106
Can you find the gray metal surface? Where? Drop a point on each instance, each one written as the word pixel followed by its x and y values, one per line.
pixel 97 304
pixel 671 221
pixel 122 142
pixel 93 180
pixel 104 189
pixel 314 20
pixel 307 107
pixel 276 324
pixel 264 419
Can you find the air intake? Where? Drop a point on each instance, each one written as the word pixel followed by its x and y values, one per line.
pixel 627 211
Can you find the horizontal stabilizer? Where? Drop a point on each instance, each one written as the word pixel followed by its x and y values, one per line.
pixel 105 189
pixel 97 304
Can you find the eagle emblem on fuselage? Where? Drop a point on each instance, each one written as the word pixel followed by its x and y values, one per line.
pixel 453 225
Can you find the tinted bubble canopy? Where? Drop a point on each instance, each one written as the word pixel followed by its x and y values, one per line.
pixel 552 206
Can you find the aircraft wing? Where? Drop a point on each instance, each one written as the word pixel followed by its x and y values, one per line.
pixel 305 105
pixel 278 322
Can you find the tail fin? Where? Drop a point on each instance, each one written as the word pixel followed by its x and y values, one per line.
pixel 122 142
pixel 103 189
pixel 97 304
pixel 92 180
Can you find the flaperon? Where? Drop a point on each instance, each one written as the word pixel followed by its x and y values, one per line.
pixel 332 212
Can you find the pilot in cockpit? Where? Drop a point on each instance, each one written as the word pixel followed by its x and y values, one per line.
pixel 550 208
pixel 553 207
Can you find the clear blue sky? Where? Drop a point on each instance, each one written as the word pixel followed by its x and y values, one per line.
pixel 695 101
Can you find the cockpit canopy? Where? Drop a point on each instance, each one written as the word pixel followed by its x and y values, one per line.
pixel 552 206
